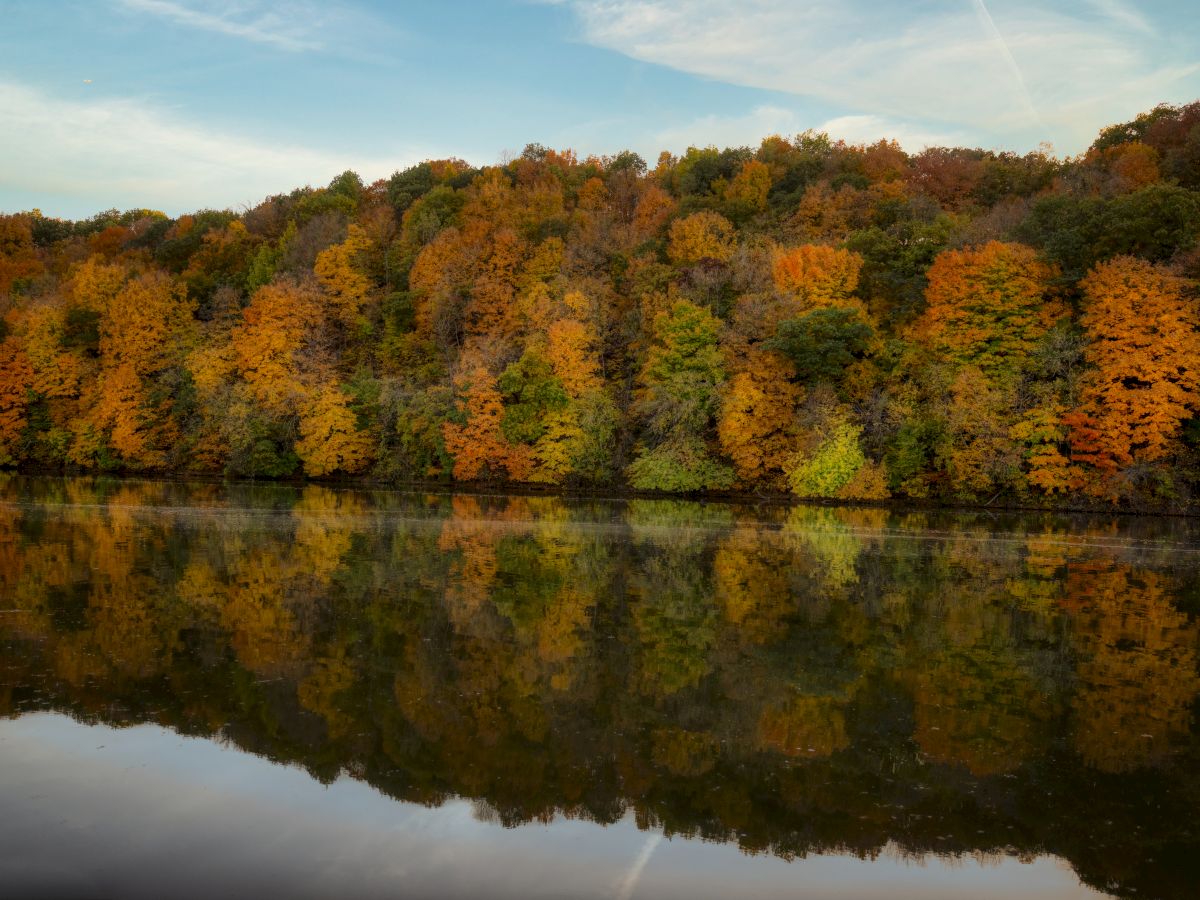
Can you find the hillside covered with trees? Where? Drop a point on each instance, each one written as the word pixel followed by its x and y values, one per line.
pixel 809 317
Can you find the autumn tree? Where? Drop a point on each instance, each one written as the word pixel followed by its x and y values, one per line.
pixel 330 440
pixel 988 306
pixel 980 456
pixel 746 193
pixel 702 236
pixel 93 284
pixel 677 399
pixel 579 437
pixel 1144 347
pixel 479 446
pixel 816 276
pixel 146 324
pixel 757 423
pixel 56 369
pixel 837 467
pixel 339 269
pixel 267 343
pixel 19 260
pixel 16 375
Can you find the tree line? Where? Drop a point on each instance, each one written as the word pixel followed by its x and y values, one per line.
pixel 813 317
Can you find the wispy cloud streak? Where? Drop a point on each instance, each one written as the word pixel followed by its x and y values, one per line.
pixel 1073 67
pixel 123 152
pixel 276 28
pixel 1124 14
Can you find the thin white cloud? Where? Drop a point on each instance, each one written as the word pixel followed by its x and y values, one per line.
pixel 288 26
pixel 123 153
pixel 1123 14
pixel 936 62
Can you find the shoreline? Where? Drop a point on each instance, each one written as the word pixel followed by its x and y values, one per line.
pixel 773 499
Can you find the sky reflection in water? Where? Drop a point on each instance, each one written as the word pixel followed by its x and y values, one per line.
pixel 143 812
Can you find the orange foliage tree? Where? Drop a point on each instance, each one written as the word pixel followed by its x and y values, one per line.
pixel 18 257
pixel 988 306
pixel 479 446
pixel 815 275
pixel 1145 347
pixel 570 350
pixel 123 410
pixel 491 310
pixel 15 377
pixel 267 344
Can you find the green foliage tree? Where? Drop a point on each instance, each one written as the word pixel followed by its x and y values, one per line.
pixel 531 391
pixel 823 343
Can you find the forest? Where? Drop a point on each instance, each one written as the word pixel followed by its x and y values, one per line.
pixel 810 318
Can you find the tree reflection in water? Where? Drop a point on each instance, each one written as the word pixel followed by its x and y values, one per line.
pixel 794 680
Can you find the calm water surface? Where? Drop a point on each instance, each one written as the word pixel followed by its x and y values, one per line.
pixel 232 690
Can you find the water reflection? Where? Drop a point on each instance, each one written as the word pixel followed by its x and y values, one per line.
pixel 792 681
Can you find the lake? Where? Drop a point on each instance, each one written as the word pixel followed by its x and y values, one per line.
pixel 249 690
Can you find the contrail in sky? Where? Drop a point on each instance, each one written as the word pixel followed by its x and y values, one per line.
pixel 989 23
pixel 629 882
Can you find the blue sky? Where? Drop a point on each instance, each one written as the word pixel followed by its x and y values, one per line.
pixel 180 104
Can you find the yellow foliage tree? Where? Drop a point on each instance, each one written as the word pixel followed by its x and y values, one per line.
pixel 330 440
pixel 1042 430
pixel 94 283
pixel 338 268
pixel 554 452
pixel 56 373
pixel 747 193
pixel 756 425
pixel 703 235
pixel 981 457
pixel 146 323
